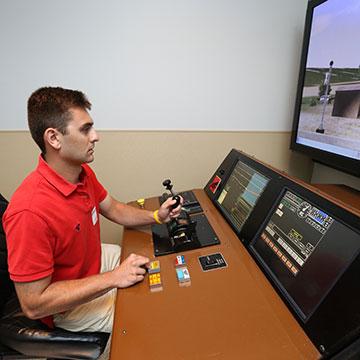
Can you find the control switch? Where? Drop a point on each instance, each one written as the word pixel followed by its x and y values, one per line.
pixel 212 261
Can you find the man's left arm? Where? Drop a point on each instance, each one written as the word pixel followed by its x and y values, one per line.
pixel 127 215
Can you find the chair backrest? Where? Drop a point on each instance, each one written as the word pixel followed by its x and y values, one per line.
pixel 6 285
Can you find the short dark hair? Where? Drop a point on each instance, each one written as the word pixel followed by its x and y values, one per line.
pixel 50 107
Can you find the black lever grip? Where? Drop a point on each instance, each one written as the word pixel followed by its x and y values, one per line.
pixel 177 198
pixel 167 184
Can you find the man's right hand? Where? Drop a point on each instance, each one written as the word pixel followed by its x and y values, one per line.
pixel 131 270
pixel 41 298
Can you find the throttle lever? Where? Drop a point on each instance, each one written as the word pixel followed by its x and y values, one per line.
pixel 177 198
pixel 169 186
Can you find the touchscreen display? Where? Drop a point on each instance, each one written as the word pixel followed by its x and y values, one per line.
pixel 240 193
pixel 305 250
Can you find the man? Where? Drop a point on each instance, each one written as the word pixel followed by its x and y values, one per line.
pixel 62 273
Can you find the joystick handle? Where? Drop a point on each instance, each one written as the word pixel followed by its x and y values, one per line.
pixel 169 186
pixel 177 198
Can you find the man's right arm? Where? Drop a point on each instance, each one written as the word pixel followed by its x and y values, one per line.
pixel 42 298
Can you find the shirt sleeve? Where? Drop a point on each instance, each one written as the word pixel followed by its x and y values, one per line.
pixel 30 247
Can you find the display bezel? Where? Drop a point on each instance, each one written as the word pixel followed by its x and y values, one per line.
pixel 340 162
pixel 245 234
pixel 338 214
pixel 225 182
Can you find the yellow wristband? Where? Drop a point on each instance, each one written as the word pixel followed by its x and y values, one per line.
pixel 156 217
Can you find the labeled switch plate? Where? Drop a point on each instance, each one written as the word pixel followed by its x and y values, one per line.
pixel 212 261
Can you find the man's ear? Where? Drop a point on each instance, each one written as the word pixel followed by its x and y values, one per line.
pixel 52 138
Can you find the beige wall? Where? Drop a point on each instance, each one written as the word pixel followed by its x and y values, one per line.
pixel 325 175
pixel 133 164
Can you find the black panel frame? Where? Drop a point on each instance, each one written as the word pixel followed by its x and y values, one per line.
pixel 204 236
pixel 329 330
pixel 268 196
pixel 335 323
pixel 343 163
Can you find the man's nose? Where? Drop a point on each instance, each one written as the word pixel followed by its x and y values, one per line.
pixel 94 136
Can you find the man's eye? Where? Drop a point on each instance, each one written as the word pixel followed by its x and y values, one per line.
pixel 85 129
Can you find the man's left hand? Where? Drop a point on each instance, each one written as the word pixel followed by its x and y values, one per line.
pixel 166 212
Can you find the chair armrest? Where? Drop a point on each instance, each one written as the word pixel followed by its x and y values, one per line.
pixel 32 338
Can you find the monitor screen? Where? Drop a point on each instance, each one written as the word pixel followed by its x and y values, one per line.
pixel 304 250
pixel 327 114
pixel 240 193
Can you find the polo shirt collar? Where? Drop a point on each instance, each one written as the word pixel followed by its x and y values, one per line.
pixel 60 183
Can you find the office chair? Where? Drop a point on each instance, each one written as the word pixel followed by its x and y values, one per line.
pixel 23 338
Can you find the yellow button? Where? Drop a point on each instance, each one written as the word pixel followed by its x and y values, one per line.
pixel 140 202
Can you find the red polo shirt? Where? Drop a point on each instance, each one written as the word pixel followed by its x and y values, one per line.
pixel 52 226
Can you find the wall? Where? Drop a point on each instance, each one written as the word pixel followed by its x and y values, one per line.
pixel 156 65
pixel 325 175
pixel 133 164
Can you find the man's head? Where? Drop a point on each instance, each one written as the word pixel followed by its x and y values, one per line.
pixel 50 107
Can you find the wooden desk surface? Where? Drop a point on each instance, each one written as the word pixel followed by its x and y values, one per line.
pixel 229 313
pixel 349 197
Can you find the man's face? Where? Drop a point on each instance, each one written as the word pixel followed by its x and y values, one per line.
pixel 77 145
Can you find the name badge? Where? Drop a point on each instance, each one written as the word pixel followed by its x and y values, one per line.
pixel 94 216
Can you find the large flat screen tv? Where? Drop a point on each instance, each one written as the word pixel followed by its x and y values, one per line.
pixel 327 112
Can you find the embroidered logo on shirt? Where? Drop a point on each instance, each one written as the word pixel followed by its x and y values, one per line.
pixel 77 227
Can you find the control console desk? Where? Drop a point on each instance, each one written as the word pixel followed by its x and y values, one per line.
pixel 291 258
pixel 221 314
